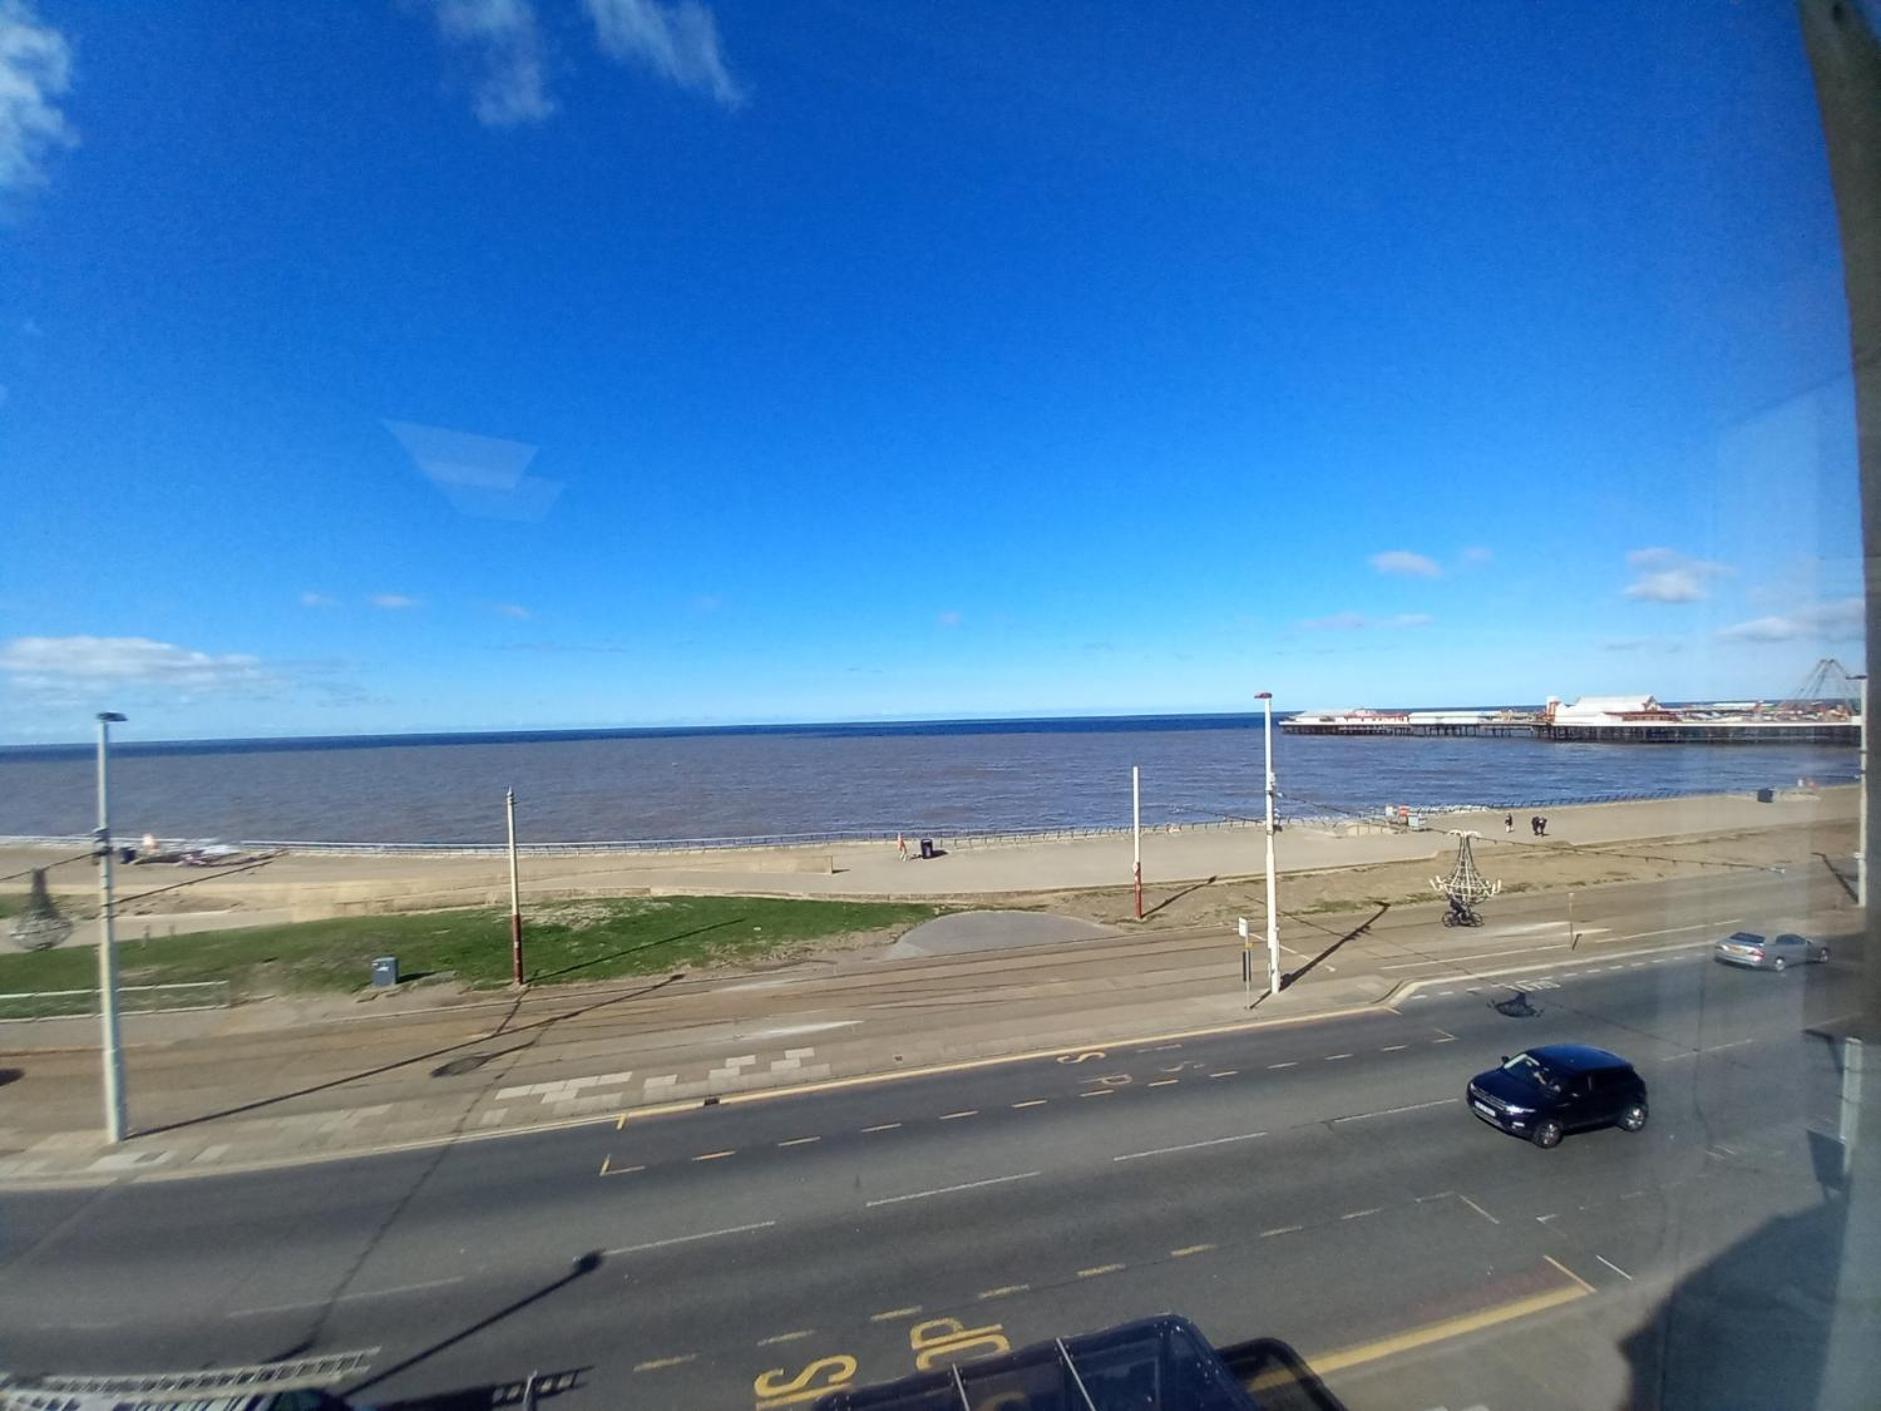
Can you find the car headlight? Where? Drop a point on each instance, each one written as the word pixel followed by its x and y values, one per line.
pixel 1515 1111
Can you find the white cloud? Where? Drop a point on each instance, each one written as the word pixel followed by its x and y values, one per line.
pixel 35 71
pixel 1403 561
pixel 1667 576
pixel 949 618
pixel 677 39
pixel 1839 620
pixel 318 600
pixel 1358 622
pixel 393 602
pixel 1336 622
pixel 70 666
pixel 506 41
pixel 515 611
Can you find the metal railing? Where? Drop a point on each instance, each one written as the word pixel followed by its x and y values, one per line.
pixel 132 999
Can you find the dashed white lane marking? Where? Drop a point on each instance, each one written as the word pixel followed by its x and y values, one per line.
pixel 1615 1267
pixel 785 1337
pixel 949 1190
pixel 1393 1048
pixel 1032 1102
pixel 1481 955
pixel 1335 1057
pixel 1478 1209
pixel 1280 1230
pixel 1361 1214
pixel 688 1239
pixel 968 1112
pixel 1187 1146
pixel 800 1141
pixel 1292 1064
pixel 885 1127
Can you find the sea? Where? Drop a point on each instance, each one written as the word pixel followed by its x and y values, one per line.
pixel 768 782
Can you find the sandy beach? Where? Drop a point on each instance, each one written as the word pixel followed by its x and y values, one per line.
pixel 1183 870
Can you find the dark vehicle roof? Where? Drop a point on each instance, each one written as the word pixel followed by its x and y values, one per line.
pixel 1578 1058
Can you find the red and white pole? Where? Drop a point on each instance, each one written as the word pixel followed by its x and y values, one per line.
pixel 1136 835
pixel 515 894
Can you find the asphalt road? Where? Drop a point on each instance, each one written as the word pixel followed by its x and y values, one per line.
pixel 1319 1183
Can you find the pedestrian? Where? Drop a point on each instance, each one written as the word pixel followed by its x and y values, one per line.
pixel 1508 822
pixel 901 846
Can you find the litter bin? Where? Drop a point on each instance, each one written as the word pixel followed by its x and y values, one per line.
pixel 384 972
pixel 1766 796
pixel 927 847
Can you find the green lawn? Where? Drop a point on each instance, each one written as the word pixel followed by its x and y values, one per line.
pixel 564 943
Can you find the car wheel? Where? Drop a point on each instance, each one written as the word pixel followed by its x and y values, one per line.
pixel 1633 1118
pixel 1547 1134
pixel 1779 965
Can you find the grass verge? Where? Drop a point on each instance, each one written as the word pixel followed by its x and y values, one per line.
pixel 564 943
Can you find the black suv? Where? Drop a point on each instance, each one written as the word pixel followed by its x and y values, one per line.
pixel 1547 1092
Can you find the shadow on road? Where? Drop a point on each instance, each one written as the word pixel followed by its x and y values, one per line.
pixel 581 1268
pixel 538 1028
pixel 1293 977
pixel 1751 1326
pixel 1847 882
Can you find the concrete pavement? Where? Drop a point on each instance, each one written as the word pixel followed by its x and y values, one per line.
pixel 1321 1184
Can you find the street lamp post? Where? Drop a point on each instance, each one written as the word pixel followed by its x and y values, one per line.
pixel 1861 804
pixel 1266 698
pixel 112 1053
pixel 515 893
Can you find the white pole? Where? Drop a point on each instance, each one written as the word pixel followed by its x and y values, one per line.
pixel 110 1049
pixel 1136 835
pixel 515 895
pixel 1273 914
pixel 1861 765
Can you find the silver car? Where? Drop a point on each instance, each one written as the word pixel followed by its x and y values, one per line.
pixel 1756 952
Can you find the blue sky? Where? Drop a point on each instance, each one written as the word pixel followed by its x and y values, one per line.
pixel 446 364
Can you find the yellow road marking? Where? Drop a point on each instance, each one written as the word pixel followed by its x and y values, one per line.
pixel 657 1363
pixel 1162 1082
pixel 785 1337
pixel 1003 1290
pixel 1332 1362
pixel 885 1127
pixel 620 1122
pixel 1569 1272
pixel 800 1141
pixel 714 1155
pixel 1189 1249
pixel 608 1168
pixel 970 1112
pixel 1098 1092
pixel 1092 1273
pixel 894 1313
pixel 1032 1102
